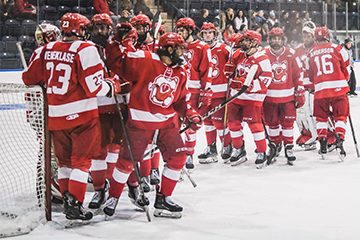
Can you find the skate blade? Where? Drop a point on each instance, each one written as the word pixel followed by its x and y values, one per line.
pixel 271 162
pixel 332 148
pixel 76 223
pixel 238 162
pixel 341 156
pixel 208 160
pixel 291 163
pixel 166 214
pixel 260 165
pixel 226 161
pixel 95 211
pixel 322 156
pixel 137 205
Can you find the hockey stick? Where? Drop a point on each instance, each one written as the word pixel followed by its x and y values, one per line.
pixel 227 96
pixel 190 178
pixel 248 80
pixel 271 145
pixel 157 18
pixel 122 121
pixel 22 57
pixel 354 137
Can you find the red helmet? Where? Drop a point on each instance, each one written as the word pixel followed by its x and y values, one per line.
pixel 171 39
pixel 102 18
pixel 140 19
pixel 72 23
pixel 186 22
pixel 208 27
pixel 253 35
pixel 322 33
pixel 235 39
pixel 161 29
pixel 276 32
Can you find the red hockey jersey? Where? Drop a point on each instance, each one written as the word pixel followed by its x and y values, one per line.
pixel 329 69
pixel 73 73
pixel 158 91
pixel 197 55
pixel 256 93
pixel 302 53
pixel 287 74
pixel 219 56
pixel 147 46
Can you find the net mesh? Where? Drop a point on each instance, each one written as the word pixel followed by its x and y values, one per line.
pixel 22 177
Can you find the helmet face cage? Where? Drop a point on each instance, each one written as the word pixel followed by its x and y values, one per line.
pixel 46 33
pixel 208 27
pixel 72 23
pixel 103 19
pixel 321 33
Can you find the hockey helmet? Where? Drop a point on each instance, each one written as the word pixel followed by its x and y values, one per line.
pixel 235 40
pixel 253 36
pixel 170 39
pixel 186 23
pixel 46 33
pixel 321 33
pixel 140 19
pixel 104 19
pixel 73 22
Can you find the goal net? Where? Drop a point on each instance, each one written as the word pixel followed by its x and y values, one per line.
pixel 22 159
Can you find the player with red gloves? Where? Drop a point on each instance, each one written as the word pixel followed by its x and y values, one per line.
pixel 247 106
pixel 285 93
pixel 215 125
pixel 198 56
pixel 74 77
pixel 329 69
pixel 158 94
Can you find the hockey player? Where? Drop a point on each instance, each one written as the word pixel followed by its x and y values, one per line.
pixel 304 115
pixel 74 78
pixel 103 165
pixel 285 93
pixel 247 107
pixel 158 94
pixel 150 165
pixel 214 126
pixel 329 69
pixel 198 56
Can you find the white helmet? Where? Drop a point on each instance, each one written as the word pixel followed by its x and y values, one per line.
pixel 46 33
pixel 309 27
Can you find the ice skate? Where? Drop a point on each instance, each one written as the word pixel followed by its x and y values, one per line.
pixel 74 209
pixel 260 160
pixel 154 176
pixel 209 155
pixel 340 148
pixel 136 197
pixel 310 146
pixel 145 184
pixel 239 156
pixel 323 147
pixel 98 199
pixel 331 147
pixel 289 154
pixel 189 164
pixel 110 206
pixel 278 149
pixel 165 207
pixel 226 154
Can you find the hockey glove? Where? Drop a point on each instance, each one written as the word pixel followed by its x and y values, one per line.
pixel 114 85
pixel 237 84
pixel 299 97
pixel 122 34
pixel 205 97
pixel 229 69
pixel 194 119
pixel 125 86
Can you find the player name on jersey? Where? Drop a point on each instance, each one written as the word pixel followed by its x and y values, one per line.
pixel 321 51
pixel 59 56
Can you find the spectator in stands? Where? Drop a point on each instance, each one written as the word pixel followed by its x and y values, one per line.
pixel 272 21
pixel 23 10
pixel 284 20
pixel 230 18
pixel 243 29
pixel 304 18
pixel 259 17
pixel 204 14
pixel 252 20
pixel 141 8
pixel 264 31
pixel 101 6
pixel 6 9
pixel 229 30
pixel 294 32
pixel 218 33
pixel 126 4
pixel 220 20
pixel 125 16
pixel 240 19
pixel 352 80
pixel 114 7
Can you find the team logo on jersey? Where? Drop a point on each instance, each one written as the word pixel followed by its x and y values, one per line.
pixel 280 71
pixel 162 89
pixel 242 69
pixel 215 69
